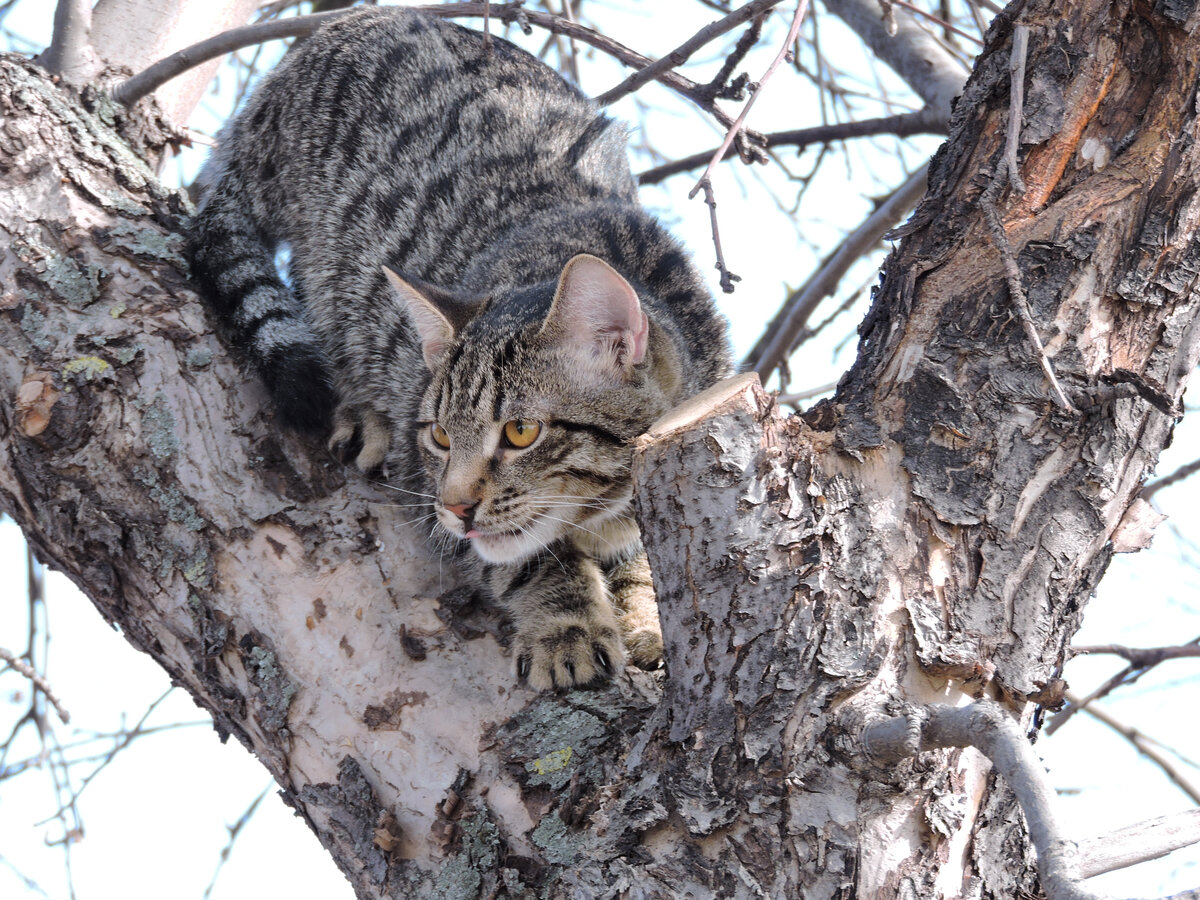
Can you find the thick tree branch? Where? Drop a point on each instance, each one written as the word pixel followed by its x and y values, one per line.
pixel 780 336
pixel 987 727
pixel 70 54
pixel 930 70
pixel 1138 843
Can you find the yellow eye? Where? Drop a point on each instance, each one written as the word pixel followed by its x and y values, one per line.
pixel 438 433
pixel 520 433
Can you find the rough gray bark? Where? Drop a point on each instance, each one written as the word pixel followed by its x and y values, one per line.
pixel 931 535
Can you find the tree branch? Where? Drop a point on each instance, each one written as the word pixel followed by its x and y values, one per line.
pixel 925 121
pixel 987 727
pixel 39 682
pixel 684 51
pixel 1167 480
pixel 1138 843
pixel 928 68
pixel 779 337
pixel 1144 746
pixel 70 53
pixel 149 80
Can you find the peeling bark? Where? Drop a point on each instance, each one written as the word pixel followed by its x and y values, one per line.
pixel 929 536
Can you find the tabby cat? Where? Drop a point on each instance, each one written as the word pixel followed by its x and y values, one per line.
pixel 475 303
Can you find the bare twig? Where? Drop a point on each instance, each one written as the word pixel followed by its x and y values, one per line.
pixel 39 681
pixel 234 831
pixel 1167 480
pixel 776 343
pixel 1016 105
pixel 1145 746
pixel 1142 657
pixel 684 51
pixel 937 20
pixel 923 121
pixel 986 726
pixel 1128 675
pixel 799 397
pixel 736 127
pixel 727 277
pixel 1138 843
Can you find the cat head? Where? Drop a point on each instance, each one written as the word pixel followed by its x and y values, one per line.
pixel 532 406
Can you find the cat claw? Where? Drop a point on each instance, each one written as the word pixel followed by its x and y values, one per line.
pixel 569 657
pixel 361 434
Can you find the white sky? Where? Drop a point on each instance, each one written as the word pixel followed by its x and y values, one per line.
pixel 157 815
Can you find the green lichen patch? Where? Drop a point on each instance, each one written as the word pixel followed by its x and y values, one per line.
pixel 83 369
pixel 146 241
pixel 158 428
pixel 460 877
pixel 274 690
pixel 551 743
pixel 75 282
pixel 33 323
pixel 557 843
pixel 199 357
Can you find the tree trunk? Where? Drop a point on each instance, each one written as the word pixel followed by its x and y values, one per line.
pixel 931 535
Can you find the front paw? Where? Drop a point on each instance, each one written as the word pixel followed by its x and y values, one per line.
pixel 568 652
pixel 361 433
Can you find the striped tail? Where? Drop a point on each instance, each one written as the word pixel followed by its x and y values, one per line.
pixel 235 269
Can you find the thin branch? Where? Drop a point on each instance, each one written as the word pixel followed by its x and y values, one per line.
pixel 937 20
pixel 923 121
pixel 1167 480
pixel 1138 843
pixel 39 681
pixel 1128 675
pixel 736 127
pixel 776 343
pixel 1142 657
pixel 684 51
pixel 986 726
pixel 727 277
pixel 1145 747
pixel 234 831
pixel 151 79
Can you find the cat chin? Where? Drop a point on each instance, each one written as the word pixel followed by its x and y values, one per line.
pixel 507 547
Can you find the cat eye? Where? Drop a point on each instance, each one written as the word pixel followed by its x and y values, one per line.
pixel 520 433
pixel 439 435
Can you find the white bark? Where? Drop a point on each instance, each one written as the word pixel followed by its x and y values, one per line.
pixel 136 33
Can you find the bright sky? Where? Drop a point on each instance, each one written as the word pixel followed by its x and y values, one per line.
pixel 157 815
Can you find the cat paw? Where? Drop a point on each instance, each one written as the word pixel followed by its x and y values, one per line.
pixel 362 434
pixel 568 654
pixel 645 646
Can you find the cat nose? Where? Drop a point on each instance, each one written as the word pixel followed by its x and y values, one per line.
pixel 465 511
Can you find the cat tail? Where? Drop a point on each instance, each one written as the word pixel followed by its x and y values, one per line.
pixel 233 263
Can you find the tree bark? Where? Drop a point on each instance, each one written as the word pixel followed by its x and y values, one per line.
pixel 930 535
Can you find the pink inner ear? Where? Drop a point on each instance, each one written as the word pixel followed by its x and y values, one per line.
pixel 596 308
pixel 434 330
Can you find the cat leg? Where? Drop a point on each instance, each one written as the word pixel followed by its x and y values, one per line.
pixel 361 428
pixel 632 593
pixel 567 634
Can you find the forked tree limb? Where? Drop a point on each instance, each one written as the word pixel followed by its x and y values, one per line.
pixel 987 727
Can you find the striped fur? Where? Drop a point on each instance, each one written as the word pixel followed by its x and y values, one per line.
pixel 393 139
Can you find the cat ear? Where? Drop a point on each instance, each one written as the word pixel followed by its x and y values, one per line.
pixel 597 312
pixel 438 315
